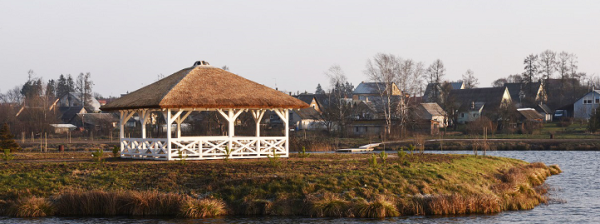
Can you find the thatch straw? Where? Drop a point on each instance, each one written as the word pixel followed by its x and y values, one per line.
pixel 208 88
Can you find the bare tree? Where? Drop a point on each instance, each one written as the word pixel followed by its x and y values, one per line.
pixel 436 71
pixel 469 79
pixel 384 69
pixel 410 78
pixel 563 65
pixel 339 106
pixel 83 85
pixel 547 64
pixel 499 82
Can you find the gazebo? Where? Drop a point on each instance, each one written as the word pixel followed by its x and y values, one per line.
pixel 203 88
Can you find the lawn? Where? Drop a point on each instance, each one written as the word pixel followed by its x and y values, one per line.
pixel 353 185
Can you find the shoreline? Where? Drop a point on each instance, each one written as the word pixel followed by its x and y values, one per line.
pixel 322 185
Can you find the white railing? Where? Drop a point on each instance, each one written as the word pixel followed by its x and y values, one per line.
pixel 200 148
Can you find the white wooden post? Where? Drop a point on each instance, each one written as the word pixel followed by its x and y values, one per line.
pixel 287 132
pixel 125 116
pixel 121 130
pixel 230 117
pixel 169 121
pixel 258 115
pixel 231 131
pixel 180 120
pixel 285 115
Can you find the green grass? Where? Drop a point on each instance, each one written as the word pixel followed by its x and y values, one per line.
pixel 254 186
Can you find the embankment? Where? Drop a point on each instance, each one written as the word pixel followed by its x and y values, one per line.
pixel 322 185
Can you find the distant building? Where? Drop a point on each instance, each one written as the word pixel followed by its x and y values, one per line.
pixel 526 94
pixel 72 99
pixel 368 91
pixel 429 118
pixel 585 106
pixel 306 119
pixel 473 103
pixel 433 91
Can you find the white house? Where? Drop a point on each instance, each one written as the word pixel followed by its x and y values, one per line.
pixel 585 106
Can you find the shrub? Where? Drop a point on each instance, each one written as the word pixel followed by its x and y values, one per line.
pixel 274 160
pixel 373 161
pixel 383 157
pixel 116 152
pixel 7 156
pixel 228 152
pixel 401 155
pixel 7 140
pixel 411 149
pixel 303 154
pixel 31 207
pixel 202 208
pixel 97 156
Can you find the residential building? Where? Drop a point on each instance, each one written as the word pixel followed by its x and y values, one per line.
pixel 585 106
pixel 470 104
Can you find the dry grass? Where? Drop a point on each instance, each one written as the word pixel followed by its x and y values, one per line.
pixel 324 185
pixel 202 208
pixel 31 207
pixel 379 208
pixel 110 203
pixel 328 205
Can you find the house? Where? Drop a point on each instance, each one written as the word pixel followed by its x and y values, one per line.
pixel 545 111
pixel 63 128
pixel 529 114
pixel 368 91
pixel 429 118
pixel 526 94
pixel 68 114
pixel 432 112
pixel 470 104
pixel 529 119
pixel 96 121
pixel 312 100
pixel 433 91
pixel 585 106
pixel 72 99
pixel 306 119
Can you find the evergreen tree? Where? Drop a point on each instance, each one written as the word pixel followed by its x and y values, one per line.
pixel 319 89
pixel 51 89
pixel 7 140
pixel 61 86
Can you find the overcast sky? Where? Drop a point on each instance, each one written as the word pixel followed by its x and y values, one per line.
pixel 127 44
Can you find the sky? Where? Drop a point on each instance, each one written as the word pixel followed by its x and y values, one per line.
pixel 126 45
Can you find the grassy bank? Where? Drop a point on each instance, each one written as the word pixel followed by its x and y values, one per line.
pixel 320 185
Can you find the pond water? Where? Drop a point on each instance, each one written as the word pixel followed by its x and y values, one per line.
pixel 575 195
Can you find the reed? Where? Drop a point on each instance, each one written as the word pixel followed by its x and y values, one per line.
pixel 202 208
pixel 329 205
pixel 31 207
pixel 379 208
pixel 110 203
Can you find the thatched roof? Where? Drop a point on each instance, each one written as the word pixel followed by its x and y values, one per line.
pixel 208 88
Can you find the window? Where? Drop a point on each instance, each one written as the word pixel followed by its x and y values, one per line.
pixel 597 100
pixel 462 115
pixel 587 101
